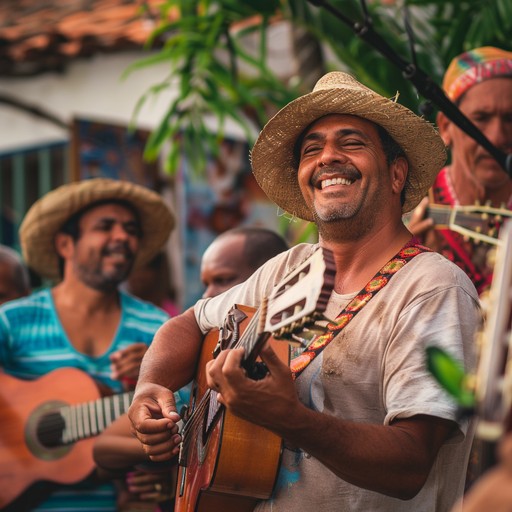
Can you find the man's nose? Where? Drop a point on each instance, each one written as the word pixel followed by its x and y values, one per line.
pixel 330 153
pixel 119 232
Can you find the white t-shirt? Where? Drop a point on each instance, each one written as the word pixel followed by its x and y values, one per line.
pixel 373 372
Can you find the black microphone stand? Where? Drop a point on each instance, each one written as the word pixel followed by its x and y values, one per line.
pixel 423 83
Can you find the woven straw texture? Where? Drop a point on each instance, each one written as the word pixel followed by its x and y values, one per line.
pixel 339 93
pixel 48 214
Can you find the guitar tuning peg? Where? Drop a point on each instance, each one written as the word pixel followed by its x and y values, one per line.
pixel 488 203
pixel 325 319
pixel 302 341
pixel 477 203
pixel 470 382
pixel 491 257
pixel 317 330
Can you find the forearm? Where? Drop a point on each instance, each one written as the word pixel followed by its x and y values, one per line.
pixel 393 460
pixel 116 454
pixel 171 358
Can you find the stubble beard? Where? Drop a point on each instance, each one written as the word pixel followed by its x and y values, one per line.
pixel 94 276
pixel 345 222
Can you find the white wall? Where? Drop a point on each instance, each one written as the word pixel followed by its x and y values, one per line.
pixel 90 88
pixel 94 88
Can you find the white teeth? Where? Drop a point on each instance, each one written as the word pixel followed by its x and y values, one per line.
pixel 335 181
pixel 117 256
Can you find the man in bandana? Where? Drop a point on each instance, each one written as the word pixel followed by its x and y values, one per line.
pixel 479 82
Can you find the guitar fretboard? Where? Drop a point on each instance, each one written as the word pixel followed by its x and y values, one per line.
pixel 480 223
pixel 90 418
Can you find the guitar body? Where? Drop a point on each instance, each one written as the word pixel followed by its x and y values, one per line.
pixel 233 465
pixel 24 460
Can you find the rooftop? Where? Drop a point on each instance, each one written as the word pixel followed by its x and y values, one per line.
pixel 37 36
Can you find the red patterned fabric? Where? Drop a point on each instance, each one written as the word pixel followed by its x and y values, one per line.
pixel 453 246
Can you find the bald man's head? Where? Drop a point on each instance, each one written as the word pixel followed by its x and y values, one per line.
pixel 234 255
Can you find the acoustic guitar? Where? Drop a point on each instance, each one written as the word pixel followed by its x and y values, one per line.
pixel 47 428
pixel 478 222
pixel 487 393
pixel 226 463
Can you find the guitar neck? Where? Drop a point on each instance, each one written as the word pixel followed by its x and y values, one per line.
pixel 90 418
pixel 481 223
pixel 440 215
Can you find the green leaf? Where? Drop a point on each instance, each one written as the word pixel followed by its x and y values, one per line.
pixel 450 375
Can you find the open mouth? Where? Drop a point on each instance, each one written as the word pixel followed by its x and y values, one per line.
pixel 118 254
pixel 117 257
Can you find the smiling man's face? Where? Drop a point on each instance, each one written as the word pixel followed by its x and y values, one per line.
pixel 343 169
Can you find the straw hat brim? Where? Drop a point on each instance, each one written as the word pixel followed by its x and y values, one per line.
pixel 47 215
pixel 272 157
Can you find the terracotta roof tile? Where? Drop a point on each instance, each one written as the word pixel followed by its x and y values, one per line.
pixel 44 35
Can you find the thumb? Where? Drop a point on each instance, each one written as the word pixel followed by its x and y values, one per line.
pixel 168 407
pixel 272 361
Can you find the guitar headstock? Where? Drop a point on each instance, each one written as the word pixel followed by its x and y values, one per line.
pixel 301 297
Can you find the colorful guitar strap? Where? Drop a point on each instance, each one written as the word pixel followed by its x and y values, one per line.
pixel 383 276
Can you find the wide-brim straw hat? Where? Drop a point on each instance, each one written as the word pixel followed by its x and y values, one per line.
pixel 48 214
pixel 272 156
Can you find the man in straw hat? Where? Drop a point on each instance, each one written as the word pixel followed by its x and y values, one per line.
pixel 86 236
pixel 365 427
pixel 479 82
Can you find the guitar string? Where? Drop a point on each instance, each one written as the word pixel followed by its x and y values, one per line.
pixel 197 414
pixel 196 417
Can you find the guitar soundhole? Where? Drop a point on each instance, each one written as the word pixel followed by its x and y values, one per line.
pixel 49 430
pixel 44 429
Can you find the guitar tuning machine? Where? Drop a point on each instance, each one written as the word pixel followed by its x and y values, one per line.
pixel 491 257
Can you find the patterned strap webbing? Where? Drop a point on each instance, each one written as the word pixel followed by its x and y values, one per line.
pixel 406 254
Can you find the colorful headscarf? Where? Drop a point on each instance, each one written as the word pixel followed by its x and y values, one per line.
pixel 475 66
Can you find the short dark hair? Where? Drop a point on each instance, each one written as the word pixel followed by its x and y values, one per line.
pixel 393 151
pixel 72 226
pixel 260 245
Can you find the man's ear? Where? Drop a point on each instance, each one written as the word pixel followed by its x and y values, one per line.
pixel 443 123
pixel 399 170
pixel 64 245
